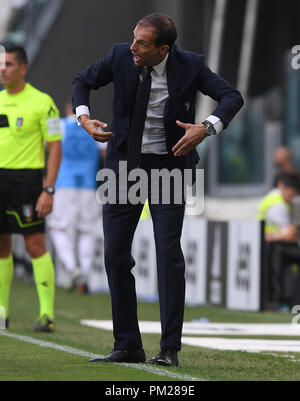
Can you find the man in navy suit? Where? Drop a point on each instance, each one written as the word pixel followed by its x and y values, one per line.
pixel 153 127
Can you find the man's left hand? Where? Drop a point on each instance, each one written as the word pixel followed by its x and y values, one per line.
pixel 44 205
pixel 194 134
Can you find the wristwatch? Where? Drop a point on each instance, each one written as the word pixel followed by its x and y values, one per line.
pixel 209 128
pixel 50 190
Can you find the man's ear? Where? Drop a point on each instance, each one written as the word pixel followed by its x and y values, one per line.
pixel 164 49
pixel 24 69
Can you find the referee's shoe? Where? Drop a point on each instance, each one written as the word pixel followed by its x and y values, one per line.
pixel 44 324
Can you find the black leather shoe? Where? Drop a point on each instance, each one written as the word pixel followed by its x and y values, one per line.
pixel 129 356
pixel 165 358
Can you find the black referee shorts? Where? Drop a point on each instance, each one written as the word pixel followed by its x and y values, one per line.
pixel 19 192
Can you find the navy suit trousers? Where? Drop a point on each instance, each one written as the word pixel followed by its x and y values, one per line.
pixel 120 222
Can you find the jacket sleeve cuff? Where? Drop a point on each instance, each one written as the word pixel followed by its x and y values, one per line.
pixel 216 122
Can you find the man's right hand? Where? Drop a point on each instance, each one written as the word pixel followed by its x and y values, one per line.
pixel 92 128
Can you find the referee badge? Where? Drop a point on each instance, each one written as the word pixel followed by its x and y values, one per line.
pixel 28 213
pixel 19 122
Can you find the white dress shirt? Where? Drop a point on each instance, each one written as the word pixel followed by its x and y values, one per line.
pixel 154 136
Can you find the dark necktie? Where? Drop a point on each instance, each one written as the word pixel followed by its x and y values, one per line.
pixel 138 120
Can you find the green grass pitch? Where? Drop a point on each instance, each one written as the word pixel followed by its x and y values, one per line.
pixel 29 362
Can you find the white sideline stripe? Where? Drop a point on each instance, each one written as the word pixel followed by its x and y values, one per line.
pixel 236 329
pixel 75 351
pixel 198 328
pixel 236 344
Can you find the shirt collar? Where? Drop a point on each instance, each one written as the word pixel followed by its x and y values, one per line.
pixel 161 67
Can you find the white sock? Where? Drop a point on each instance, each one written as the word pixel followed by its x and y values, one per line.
pixel 86 252
pixel 65 248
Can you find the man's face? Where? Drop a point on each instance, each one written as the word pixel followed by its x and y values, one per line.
pixel 14 72
pixel 288 194
pixel 144 50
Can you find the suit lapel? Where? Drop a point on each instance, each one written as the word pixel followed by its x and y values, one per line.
pixel 129 87
pixel 132 75
pixel 174 77
pixel 174 72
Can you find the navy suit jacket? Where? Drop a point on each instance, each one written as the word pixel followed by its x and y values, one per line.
pixel 187 73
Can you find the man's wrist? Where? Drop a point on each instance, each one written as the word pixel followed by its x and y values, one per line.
pixel 201 129
pixel 209 129
pixel 49 189
pixel 83 118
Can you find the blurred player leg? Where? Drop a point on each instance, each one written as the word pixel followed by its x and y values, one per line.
pixel 87 226
pixel 44 275
pixel 6 276
pixel 61 224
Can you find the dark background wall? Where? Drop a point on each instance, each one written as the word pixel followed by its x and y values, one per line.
pixel 83 32
pixel 196 16
pixel 231 40
pixel 277 31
